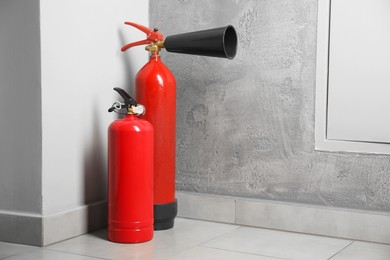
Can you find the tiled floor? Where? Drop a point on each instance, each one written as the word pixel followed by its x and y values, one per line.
pixel 193 240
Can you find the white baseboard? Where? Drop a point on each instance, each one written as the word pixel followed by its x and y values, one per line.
pixel 319 220
pixel 39 230
pixel 21 228
pixel 73 223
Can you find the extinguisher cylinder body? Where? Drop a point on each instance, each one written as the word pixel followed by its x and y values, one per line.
pixel 155 88
pixel 130 180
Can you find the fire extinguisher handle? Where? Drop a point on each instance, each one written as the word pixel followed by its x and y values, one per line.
pixel 151 36
pixel 129 45
pixel 129 101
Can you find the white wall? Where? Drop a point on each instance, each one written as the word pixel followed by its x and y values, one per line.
pixel 81 64
pixel 20 107
pixel 59 61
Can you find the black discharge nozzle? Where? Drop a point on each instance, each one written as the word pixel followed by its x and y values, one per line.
pixel 218 42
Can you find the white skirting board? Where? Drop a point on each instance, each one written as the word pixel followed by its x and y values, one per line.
pixel 38 230
pixel 319 220
pixel 21 228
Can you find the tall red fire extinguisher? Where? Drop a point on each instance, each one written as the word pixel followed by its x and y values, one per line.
pixel 130 174
pixel 155 87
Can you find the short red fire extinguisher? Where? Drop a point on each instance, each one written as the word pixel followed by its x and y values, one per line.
pixel 130 174
pixel 155 87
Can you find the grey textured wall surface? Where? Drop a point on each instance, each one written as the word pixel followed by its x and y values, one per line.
pixel 245 127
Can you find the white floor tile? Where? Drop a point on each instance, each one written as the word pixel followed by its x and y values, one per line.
pixel 279 244
pixel 364 251
pixel 185 235
pixel 48 255
pixel 205 253
pixel 8 249
pixel 193 240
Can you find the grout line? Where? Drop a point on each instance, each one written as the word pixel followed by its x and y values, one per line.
pixel 12 255
pixel 201 243
pixel 243 252
pixel 303 233
pixel 59 251
pixel 20 253
pixel 220 235
pixel 209 220
pixel 341 250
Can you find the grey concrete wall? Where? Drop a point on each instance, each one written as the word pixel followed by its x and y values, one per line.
pixel 246 127
pixel 20 106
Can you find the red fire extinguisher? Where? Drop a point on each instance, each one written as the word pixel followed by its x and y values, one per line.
pixel 155 87
pixel 130 174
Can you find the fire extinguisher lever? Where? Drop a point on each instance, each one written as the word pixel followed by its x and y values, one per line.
pixel 129 103
pixel 128 46
pixel 152 36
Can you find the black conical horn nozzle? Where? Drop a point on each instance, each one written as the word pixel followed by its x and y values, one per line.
pixel 219 42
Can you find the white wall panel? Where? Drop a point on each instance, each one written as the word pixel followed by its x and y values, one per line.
pixel 81 64
pixel 359 71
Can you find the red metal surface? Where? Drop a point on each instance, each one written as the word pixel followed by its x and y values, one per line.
pixel 130 180
pixel 155 88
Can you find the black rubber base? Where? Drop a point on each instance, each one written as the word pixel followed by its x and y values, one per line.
pixel 164 215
